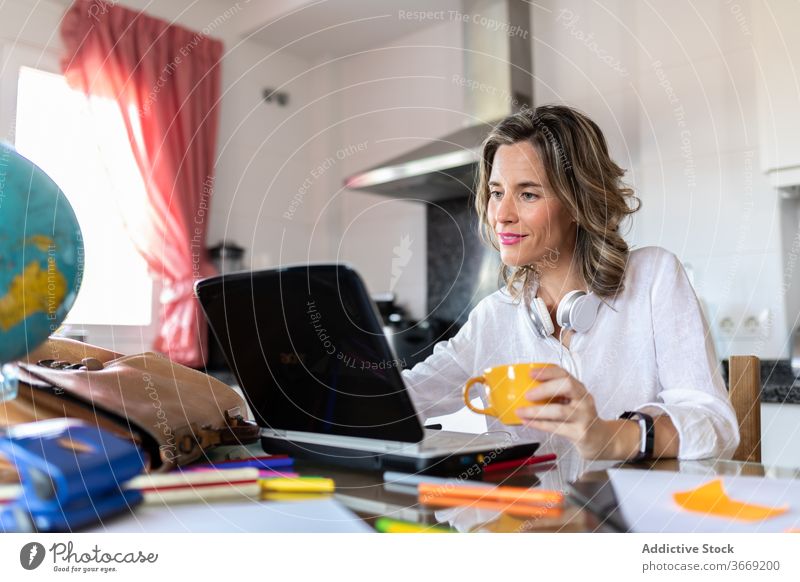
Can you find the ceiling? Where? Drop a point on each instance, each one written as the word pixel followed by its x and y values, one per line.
pixel 314 29
pixel 332 28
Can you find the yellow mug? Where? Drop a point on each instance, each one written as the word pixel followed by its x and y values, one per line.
pixel 505 390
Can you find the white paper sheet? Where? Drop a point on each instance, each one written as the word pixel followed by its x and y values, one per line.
pixel 647 505
pixel 318 516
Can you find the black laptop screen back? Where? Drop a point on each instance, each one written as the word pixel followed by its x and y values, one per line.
pixel 308 350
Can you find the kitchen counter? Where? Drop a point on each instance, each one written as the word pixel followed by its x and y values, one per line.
pixel 779 384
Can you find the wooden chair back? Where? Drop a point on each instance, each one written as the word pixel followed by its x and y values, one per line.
pixel 744 391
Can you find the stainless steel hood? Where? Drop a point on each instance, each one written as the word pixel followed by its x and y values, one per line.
pixel 497 80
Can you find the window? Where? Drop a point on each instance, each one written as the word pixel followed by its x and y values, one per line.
pixel 83 145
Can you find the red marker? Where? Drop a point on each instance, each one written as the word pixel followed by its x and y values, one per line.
pixel 516 463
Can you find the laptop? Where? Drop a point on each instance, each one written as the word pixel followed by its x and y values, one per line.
pixel 307 347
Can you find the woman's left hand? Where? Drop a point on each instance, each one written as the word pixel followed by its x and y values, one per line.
pixel 569 412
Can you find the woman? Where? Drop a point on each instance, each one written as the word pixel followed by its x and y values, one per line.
pixel 550 199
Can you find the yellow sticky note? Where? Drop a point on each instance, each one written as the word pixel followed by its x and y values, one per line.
pixel 711 499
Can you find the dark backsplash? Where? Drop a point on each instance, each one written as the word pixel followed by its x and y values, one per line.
pixel 779 384
pixel 461 269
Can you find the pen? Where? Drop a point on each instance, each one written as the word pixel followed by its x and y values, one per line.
pixel 298 485
pixel 515 463
pixel 430 492
pixel 520 509
pixel 257 462
pixel 388 525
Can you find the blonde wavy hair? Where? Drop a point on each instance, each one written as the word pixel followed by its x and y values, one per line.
pixel 583 177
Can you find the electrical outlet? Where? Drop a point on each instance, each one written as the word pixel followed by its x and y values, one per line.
pixel 750 326
pixel 727 327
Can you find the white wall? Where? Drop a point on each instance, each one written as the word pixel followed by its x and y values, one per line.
pixel 721 218
pixel 673 85
pixel 392 99
pixel 263 154
pixel 629 65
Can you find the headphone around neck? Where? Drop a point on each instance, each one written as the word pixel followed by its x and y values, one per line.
pixel 576 311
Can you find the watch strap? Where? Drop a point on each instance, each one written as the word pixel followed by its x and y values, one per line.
pixel 648 434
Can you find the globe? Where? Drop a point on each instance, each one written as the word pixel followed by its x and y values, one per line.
pixel 41 255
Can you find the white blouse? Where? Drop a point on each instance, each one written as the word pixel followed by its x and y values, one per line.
pixel 649 349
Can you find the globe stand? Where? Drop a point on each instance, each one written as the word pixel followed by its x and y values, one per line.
pixel 8 382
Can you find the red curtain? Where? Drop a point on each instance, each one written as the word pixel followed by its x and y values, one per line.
pixel 166 81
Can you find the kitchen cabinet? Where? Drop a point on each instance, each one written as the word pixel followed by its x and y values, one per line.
pixel 780 434
pixel 777 50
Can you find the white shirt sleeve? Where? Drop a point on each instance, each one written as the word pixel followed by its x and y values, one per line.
pixel 437 383
pixel 693 393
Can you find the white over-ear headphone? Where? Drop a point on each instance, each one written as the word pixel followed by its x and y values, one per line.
pixel 576 311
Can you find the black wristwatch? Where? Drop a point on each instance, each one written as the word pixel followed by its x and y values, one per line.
pixel 647 427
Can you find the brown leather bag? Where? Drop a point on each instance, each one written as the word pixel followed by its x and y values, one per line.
pixel 172 412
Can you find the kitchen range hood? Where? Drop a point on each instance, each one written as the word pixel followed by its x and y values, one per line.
pixel 497 80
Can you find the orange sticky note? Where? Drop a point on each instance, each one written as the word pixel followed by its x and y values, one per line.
pixel 711 499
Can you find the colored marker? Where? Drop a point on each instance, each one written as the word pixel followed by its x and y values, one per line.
pixel 257 462
pixel 520 509
pixel 388 525
pixel 516 463
pixel 298 485
pixel 429 492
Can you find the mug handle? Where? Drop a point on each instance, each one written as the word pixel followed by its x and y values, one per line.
pixel 477 380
